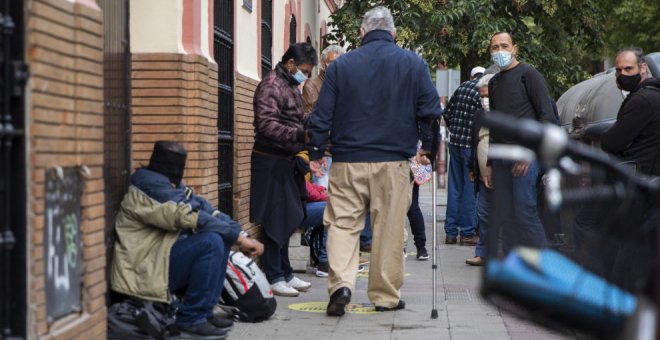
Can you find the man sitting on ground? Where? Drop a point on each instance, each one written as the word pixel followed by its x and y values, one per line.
pixel 170 241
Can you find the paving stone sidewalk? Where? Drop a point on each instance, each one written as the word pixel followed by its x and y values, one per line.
pixel 463 314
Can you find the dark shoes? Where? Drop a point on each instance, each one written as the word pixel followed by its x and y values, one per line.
pixel 365 248
pixel 222 323
pixel 475 261
pixel 205 330
pixel 338 301
pixel 400 305
pixel 422 254
pixel 451 240
pixel 469 240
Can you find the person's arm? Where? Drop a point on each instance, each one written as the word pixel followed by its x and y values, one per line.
pixel 320 122
pixel 428 107
pixel 632 118
pixel 537 92
pixel 310 95
pixel 268 101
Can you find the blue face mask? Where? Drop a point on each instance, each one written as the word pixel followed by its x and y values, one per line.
pixel 502 59
pixel 299 77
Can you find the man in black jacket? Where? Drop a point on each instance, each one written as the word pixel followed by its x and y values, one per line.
pixel 635 136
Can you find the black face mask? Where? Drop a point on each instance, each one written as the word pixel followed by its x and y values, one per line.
pixel 628 83
pixel 169 159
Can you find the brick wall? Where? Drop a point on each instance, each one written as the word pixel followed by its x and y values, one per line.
pixel 65 128
pixel 174 97
pixel 244 88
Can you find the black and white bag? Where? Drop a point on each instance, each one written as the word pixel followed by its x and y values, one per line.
pixel 247 289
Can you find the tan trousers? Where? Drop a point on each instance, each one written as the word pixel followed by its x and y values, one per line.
pixel 385 189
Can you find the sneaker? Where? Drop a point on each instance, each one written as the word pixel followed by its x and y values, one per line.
pixel 322 269
pixel 365 248
pixel 422 254
pixel 364 261
pixel 298 284
pixel 281 288
pixel 204 330
pixel 361 268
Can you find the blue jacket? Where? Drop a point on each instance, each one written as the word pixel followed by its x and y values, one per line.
pixel 376 102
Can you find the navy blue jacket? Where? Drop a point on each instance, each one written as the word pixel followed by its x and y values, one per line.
pixel 209 219
pixel 376 102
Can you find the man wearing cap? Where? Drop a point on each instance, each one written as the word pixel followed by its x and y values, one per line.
pixel 461 204
pixel 173 242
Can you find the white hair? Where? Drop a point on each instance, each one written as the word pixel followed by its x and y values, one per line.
pixel 331 49
pixel 483 81
pixel 378 18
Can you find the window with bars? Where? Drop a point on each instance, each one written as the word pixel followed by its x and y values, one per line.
pixel 223 39
pixel 266 36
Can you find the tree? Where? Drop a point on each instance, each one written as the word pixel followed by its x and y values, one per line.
pixel 556 36
pixel 631 23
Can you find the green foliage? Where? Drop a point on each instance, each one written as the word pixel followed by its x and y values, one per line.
pixel 631 23
pixel 556 36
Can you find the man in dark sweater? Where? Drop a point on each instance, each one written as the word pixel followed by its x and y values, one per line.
pixel 520 91
pixel 372 104
pixel 635 134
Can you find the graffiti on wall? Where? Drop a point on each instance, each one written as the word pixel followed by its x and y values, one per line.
pixel 62 242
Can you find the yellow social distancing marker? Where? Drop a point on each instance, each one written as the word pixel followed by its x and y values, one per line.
pixel 320 307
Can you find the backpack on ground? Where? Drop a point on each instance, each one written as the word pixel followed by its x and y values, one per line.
pixel 247 289
pixel 135 318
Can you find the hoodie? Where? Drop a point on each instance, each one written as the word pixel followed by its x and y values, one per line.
pixel 635 136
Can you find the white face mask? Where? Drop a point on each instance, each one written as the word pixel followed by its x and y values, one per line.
pixel 485 103
pixel 502 59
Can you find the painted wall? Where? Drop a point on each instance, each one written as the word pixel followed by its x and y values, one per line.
pixel 279 7
pixel 246 39
pixel 156 26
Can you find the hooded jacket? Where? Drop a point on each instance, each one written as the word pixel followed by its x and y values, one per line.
pixel 635 136
pixel 152 216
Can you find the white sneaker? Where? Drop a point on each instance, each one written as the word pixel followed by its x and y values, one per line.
pixel 281 288
pixel 320 273
pixel 298 284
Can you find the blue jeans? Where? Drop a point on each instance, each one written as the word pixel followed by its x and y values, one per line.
pixel 198 263
pixel 483 207
pixel 275 260
pixel 461 203
pixel 314 219
pixel 518 219
pixel 365 236
pixel 416 219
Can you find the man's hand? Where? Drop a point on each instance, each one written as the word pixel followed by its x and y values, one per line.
pixel 422 157
pixel 520 169
pixel 488 177
pixel 319 167
pixel 249 246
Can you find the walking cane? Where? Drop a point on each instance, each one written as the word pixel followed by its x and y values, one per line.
pixel 435 127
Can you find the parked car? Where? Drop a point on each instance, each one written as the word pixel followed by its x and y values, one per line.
pixel 591 106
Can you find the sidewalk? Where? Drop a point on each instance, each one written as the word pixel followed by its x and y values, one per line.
pixel 463 314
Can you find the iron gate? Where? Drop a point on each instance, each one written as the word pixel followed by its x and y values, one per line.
pixel 223 37
pixel 116 111
pixel 12 171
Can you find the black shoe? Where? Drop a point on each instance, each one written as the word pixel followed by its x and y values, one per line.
pixel 400 305
pixel 451 240
pixel 222 323
pixel 205 330
pixel 338 301
pixel 422 254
